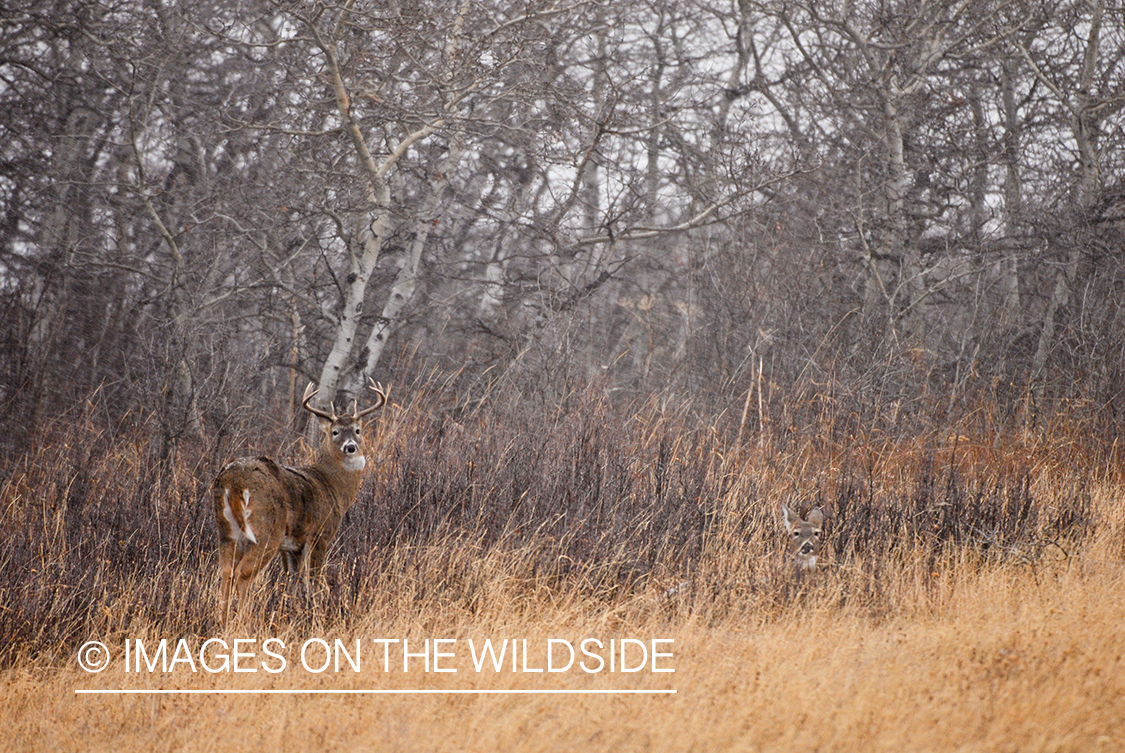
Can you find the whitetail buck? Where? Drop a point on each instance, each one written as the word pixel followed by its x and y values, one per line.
pixel 263 507
pixel 804 538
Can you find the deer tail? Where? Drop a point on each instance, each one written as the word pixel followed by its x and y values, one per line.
pixel 237 511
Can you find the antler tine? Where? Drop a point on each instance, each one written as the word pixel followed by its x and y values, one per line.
pixel 381 398
pixel 309 393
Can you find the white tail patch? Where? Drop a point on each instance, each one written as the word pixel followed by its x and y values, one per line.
pixel 239 530
pixel 246 512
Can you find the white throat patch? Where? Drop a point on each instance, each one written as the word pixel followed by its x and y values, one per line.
pixel 358 463
pixel 806 562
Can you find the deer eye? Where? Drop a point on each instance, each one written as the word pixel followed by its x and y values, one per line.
pixel 357 431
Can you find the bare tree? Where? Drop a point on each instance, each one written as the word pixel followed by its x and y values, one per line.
pixel 869 204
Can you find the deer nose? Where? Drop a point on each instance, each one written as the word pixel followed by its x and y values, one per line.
pixel 350 447
pixel 807 548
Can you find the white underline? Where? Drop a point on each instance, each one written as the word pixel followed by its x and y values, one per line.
pixel 370 691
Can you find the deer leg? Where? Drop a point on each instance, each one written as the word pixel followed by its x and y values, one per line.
pixel 292 562
pixel 316 561
pixel 226 573
pixel 312 556
pixel 256 557
pixel 304 568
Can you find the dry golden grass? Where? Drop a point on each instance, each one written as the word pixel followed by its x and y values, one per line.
pixel 973 600
pixel 1003 664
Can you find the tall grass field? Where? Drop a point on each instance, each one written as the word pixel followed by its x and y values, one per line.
pixel 578 576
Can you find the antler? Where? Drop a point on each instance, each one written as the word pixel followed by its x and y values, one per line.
pixel 381 399
pixel 309 392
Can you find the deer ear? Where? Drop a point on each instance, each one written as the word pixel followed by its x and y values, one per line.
pixel 789 518
pixel 816 517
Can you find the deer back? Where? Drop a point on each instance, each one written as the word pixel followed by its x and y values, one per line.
pixel 252 501
pixel 319 495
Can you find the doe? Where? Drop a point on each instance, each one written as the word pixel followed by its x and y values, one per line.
pixel 263 508
pixel 804 538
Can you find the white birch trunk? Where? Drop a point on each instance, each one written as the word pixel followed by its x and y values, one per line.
pixel 1084 123
pixel 406 281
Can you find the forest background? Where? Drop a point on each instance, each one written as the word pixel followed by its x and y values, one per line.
pixel 636 273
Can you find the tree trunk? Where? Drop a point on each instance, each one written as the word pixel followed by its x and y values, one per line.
pixel 1084 125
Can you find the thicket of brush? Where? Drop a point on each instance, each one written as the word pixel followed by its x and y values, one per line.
pixel 509 502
